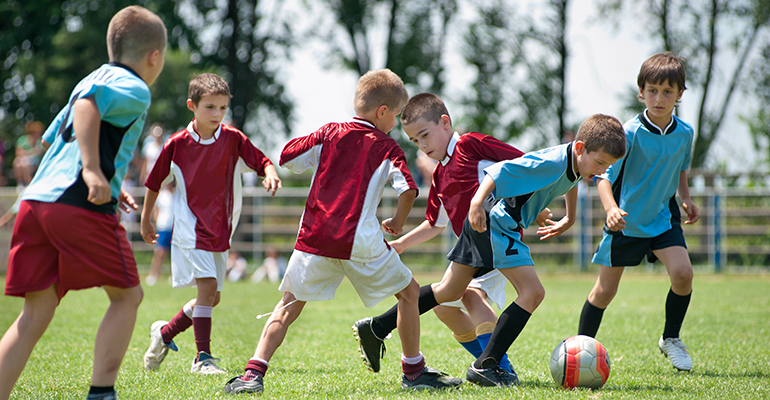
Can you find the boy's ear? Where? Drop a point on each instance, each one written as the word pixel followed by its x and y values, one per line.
pixel 579 147
pixel 190 105
pixel 445 122
pixel 381 111
pixel 153 57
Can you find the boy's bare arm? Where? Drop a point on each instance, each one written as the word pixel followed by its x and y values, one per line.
pixel 557 228
pixel 271 182
pixel 146 228
pixel 476 215
pixel 395 225
pixel 615 221
pixel 692 211
pixel 85 123
pixel 418 235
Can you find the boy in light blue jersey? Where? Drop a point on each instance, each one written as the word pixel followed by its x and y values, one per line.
pixel 639 195
pixel 526 186
pixel 67 235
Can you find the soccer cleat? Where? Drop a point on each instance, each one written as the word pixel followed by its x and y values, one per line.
pixel 674 349
pixel 239 385
pixel 103 396
pixel 431 379
pixel 370 346
pixel 205 364
pixel 158 348
pixel 490 374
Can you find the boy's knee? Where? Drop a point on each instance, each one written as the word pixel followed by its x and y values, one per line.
pixel 681 275
pixel 410 293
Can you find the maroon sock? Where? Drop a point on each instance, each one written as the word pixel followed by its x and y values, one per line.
pixel 254 368
pixel 177 325
pixel 202 329
pixel 413 371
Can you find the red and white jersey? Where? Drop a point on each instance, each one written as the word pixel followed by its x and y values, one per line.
pixel 352 163
pixel 207 201
pixel 458 175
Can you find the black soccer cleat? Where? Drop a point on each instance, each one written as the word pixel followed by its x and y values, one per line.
pixel 371 347
pixel 490 374
pixel 431 379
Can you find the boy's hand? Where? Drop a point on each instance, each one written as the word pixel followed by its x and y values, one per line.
pixel 615 221
pixel 272 184
pixel 477 218
pixel 543 217
pixel 148 232
pixel 126 202
pixel 391 227
pixel 99 191
pixel 554 228
pixel 397 246
pixel 692 211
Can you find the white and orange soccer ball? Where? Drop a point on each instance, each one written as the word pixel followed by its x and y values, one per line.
pixel 580 361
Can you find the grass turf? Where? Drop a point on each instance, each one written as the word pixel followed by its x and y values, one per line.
pixel 727 330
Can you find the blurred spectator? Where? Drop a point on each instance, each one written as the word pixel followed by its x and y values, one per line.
pixel 28 151
pixel 151 147
pixel 164 222
pixel 273 267
pixel 236 266
pixel 425 167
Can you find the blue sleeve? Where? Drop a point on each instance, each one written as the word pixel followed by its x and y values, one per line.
pixel 50 133
pixel 526 174
pixel 121 101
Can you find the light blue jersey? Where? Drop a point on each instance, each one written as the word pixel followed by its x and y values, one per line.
pixel 527 184
pixel 123 99
pixel 645 181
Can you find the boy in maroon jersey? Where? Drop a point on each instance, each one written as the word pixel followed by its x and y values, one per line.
pixel 205 159
pixel 462 159
pixel 352 163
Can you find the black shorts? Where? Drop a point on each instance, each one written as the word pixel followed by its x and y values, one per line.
pixel 617 250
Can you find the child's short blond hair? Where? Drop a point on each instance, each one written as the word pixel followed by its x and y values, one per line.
pixel 425 106
pixel 601 132
pixel 133 32
pixel 207 84
pixel 660 68
pixel 380 87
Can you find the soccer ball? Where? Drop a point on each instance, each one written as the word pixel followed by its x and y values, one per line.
pixel 580 361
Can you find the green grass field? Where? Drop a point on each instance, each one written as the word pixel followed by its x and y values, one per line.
pixel 727 329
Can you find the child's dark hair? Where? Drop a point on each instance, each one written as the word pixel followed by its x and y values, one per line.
pixel 206 85
pixel 660 68
pixel 427 106
pixel 601 132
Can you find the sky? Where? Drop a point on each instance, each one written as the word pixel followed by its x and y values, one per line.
pixel 603 66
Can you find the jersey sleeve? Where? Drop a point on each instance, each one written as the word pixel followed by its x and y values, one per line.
pixel 252 157
pixel 523 175
pixel 303 152
pixel 399 175
pixel 121 101
pixel 490 148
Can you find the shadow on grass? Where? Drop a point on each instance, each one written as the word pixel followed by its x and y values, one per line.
pixel 744 374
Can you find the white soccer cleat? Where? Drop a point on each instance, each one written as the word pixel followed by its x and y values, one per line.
pixel 674 349
pixel 158 349
pixel 206 365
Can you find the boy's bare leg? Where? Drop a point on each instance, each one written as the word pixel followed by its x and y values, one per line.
pixel 408 324
pixel 457 320
pixel 208 295
pixel 479 310
pixel 677 263
pixel 114 333
pixel 22 336
pixel 606 286
pixel 453 285
pixel 277 325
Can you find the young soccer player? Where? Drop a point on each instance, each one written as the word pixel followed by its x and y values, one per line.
pixel 352 162
pixel 526 185
pixel 639 196
pixel 426 121
pixel 205 160
pixel 67 234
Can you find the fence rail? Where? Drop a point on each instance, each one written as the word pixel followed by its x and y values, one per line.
pixel 734 230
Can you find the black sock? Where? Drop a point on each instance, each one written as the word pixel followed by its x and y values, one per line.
pixel 590 319
pixel 101 389
pixel 510 324
pixel 676 308
pixel 385 323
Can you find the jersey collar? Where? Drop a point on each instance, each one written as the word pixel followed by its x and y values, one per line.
pixel 571 175
pixel 450 148
pixel 363 121
pixel 126 67
pixel 197 138
pixel 654 128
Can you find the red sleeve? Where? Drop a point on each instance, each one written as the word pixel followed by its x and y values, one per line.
pixel 301 145
pixel 252 156
pixel 490 148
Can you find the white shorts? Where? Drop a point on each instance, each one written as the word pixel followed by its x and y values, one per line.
pixel 492 283
pixel 189 264
pixel 313 278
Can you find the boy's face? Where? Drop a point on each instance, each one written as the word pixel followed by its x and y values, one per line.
pixel 431 138
pixel 209 112
pixel 660 99
pixel 592 163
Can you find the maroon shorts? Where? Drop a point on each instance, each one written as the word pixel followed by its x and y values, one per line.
pixel 68 246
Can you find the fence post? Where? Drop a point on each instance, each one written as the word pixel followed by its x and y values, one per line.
pixel 584 230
